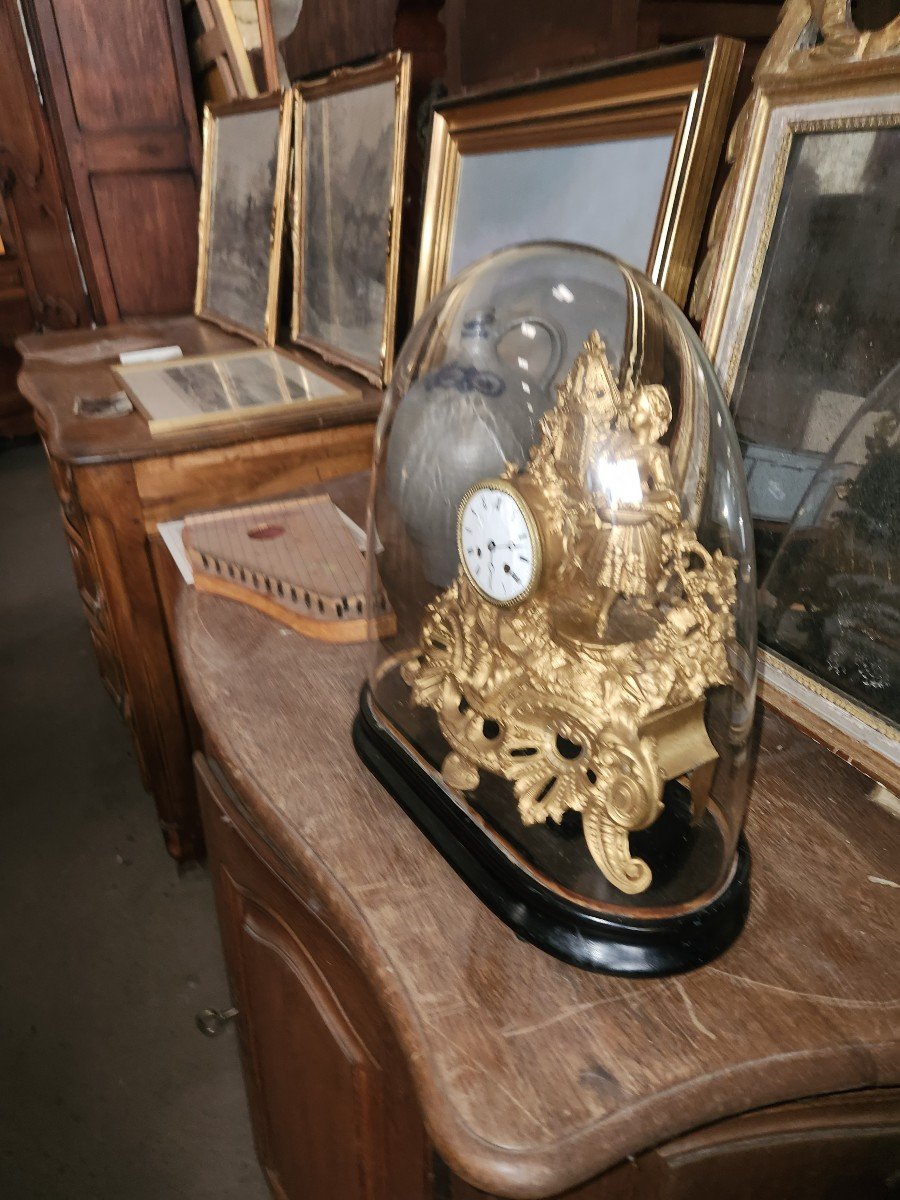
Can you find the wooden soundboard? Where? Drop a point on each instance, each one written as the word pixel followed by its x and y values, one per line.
pixel 295 560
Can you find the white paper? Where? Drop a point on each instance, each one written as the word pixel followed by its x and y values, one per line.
pixel 172 533
pixel 154 354
pixel 356 533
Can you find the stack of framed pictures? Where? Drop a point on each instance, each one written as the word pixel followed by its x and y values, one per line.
pixel 799 313
pixel 347 133
pixel 620 156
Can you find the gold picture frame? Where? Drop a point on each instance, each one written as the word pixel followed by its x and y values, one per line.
pixel 223 388
pixel 364 343
pixel 253 248
pixel 818 75
pixel 680 96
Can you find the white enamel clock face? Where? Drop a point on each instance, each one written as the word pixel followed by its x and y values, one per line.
pixel 498 542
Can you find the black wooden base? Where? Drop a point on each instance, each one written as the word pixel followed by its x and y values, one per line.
pixel 615 946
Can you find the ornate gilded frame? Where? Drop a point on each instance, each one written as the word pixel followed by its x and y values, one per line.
pixel 397 67
pixel 687 91
pixel 817 72
pixel 212 114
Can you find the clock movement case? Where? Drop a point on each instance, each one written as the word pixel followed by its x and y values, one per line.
pixel 456 417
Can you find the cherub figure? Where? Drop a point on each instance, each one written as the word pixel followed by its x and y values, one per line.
pixel 637 504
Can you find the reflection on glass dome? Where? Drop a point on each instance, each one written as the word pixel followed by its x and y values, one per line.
pixel 559 520
pixel 831 599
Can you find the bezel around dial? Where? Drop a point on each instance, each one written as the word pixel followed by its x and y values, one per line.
pixel 502 485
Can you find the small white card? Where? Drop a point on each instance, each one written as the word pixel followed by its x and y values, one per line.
pixel 154 354
pixel 172 533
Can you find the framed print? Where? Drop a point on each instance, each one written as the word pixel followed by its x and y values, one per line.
pixel 799 313
pixel 246 147
pixel 236 386
pixel 619 156
pixel 349 153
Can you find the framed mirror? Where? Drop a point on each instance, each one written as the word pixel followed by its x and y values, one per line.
pixel 618 156
pixel 798 301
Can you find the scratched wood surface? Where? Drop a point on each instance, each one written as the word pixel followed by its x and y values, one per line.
pixel 58 367
pixel 534 1076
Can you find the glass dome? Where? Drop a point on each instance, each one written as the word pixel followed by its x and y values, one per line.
pixel 559 521
pixel 830 601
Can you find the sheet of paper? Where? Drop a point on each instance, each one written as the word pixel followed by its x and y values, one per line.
pixel 358 535
pixel 171 533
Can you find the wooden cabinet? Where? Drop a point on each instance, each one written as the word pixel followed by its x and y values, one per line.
pixel 399 1043
pixel 334 1111
pixel 115 483
pixel 829 1148
pixel 334 1114
pixel 15 318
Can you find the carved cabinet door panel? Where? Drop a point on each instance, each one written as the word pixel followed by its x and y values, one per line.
pixel 333 1112
pixel 117 88
pixel 36 229
pixel 316 1091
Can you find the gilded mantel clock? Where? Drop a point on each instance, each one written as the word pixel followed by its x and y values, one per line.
pixel 566 704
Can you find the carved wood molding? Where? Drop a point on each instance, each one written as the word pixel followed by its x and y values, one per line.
pixel 811 35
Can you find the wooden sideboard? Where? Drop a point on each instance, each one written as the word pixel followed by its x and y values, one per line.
pixel 115 483
pixel 399 1042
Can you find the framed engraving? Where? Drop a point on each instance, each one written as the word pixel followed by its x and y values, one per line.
pixel 246 147
pixel 619 156
pixel 798 306
pixel 350 146
pixel 237 386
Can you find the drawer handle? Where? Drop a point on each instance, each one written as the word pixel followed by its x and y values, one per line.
pixel 211 1021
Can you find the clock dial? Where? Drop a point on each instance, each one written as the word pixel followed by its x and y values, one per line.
pixel 498 542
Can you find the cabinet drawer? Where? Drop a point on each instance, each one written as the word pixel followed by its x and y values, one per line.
pixel 136 742
pixel 108 663
pixel 87 575
pixel 66 489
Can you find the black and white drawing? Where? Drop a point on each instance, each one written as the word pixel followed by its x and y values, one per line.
pixel 348 215
pixel 232 386
pixel 240 244
pixel 348 162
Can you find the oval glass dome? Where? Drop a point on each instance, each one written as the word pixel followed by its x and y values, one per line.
pixel 559 522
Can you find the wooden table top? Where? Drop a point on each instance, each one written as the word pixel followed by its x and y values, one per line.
pixel 534 1076
pixel 60 366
